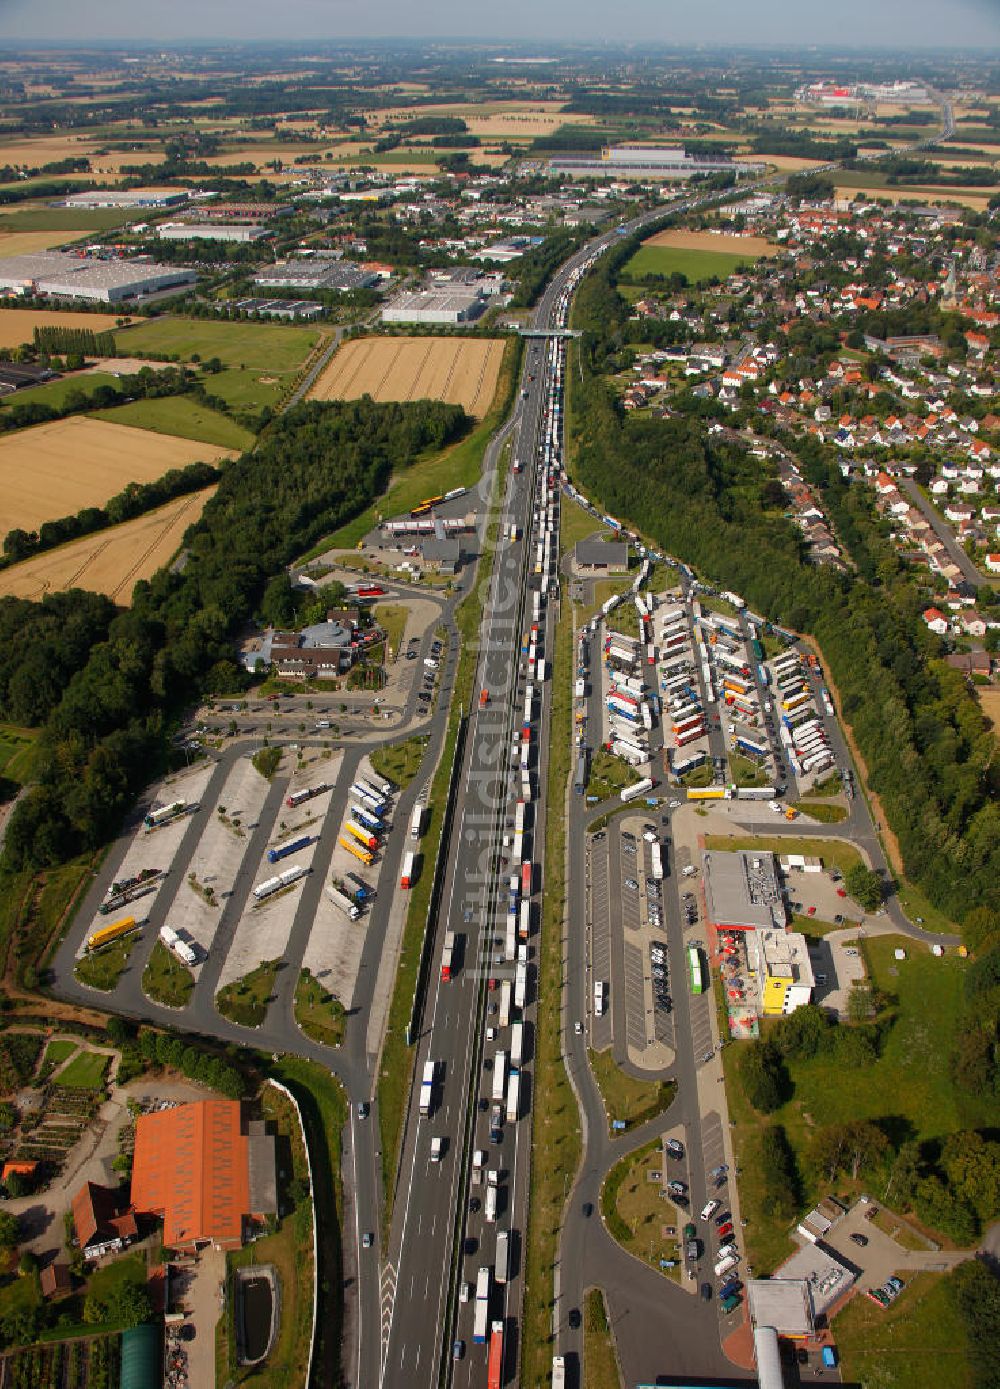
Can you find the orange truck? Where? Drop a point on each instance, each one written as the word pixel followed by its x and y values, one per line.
pixel 484 698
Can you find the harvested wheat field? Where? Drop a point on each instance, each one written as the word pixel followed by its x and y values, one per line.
pixel 110 561
pixel 25 243
pixel 56 469
pixel 460 371
pixel 714 241
pixel 18 325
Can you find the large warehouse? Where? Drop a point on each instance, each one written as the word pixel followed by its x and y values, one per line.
pixel 649 162
pixel 211 231
pixel 64 276
pixel 315 272
pixel 435 306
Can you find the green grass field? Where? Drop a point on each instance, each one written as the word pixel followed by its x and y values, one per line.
pixel 43 219
pixel 17 752
pixel 835 853
pixel 626 1099
pixel 399 762
pixel 696 265
pixel 259 359
pixel 166 979
pixel 54 393
pixel 894 1347
pixel 105 967
pixel 317 1012
pixel 84 1072
pixel 182 417
pixel 57 1052
pixel 246 1000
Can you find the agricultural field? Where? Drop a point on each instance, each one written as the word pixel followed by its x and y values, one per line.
pixel 24 243
pixel 746 247
pixel 183 418
pixel 697 265
pixel 110 561
pixel 260 360
pixel 461 371
pixel 18 326
pixel 58 468
pixel 42 218
pixel 55 393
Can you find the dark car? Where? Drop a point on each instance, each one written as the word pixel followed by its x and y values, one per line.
pixel 723 1219
pixel 575 1319
pixel 706 1291
pixel 802 1355
pixel 588 1209
pixel 859 1240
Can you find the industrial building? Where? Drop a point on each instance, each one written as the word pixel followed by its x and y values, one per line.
pixel 601 556
pixel 273 308
pixel 59 275
pixel 211 231
pixel 650 162
pixel 742 891
pixel 126 198
pixel 435 306
pixel 785 978
pixel 316 272
pixel 207 1170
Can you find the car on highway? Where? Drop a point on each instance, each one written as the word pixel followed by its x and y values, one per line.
pixel 465 1292
pixel 367 1240
pixel 362 1109
pixel 588 1209
pixel 458 1350
pixel 575 1320
pixel 578 1027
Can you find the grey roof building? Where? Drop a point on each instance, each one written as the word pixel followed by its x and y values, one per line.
pixel 742 890
pixel 608 556
pixel 81 277
pixel 444 554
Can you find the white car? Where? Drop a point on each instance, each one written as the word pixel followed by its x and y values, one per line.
pixel 709 1210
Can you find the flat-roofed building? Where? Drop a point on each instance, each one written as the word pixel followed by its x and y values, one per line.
pixel 211 231
pixel 601 556
pixel 784 974
pixel 316 272
pixel 57 275
pixel 742 890
pixel 435 306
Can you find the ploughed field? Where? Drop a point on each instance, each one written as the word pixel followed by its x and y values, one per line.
pixel 459 371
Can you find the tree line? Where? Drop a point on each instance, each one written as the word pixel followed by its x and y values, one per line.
pixel 135 499
pixel 105 728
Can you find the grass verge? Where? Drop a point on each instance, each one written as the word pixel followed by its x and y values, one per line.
pixel 636 1213
pixel 399 762
pixel 245 1000
pixel 391 617
pixel 834 852
pixel 825 814
pixel 609 775
pixel 626 1099
pixel 166 979
pixel 555 1123
pixel 84 1072
pixel 317 1012
pixel 600 1363
pixel 104 968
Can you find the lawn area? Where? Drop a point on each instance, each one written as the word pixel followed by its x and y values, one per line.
pixel 392 618
pixel 600 1366
pixel 825 814
pixel 54 393
pixel 317 1012
pixel 812 927
pixel 460 465
pixel 102 969
pixel 696 265
pixel 166 979
pixel 84 1072
pixel 259 359
pixel 627 1100
pixel 895 1347
pixel 609 775
pixel 910 1083
pixel 636 1213
pixel 625 620
pixel 245 1000
pixel 183 417
pixel 66 218
pixel 834 852
pixel 17 752
pixel 745 772
pixel 58 1052
pixel 577 524
pixel 830 785
pixel 399 762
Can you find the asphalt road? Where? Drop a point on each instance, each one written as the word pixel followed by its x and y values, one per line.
pixel 944 533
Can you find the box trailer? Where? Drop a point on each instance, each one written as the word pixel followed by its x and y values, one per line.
pixel 480 1325
pixel 416 821
pixel 341 900
pixel 499 1075
pixel 408 875
pixel 427 1088
pixel 284 850
pixel 513 1095
pixel 448 956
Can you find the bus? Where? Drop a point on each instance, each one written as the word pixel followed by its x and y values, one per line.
pixel 422 508
pixel 694 969
pixel 558 1372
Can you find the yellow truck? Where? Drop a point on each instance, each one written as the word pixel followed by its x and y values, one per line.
pixel 353 848
pixel 111 932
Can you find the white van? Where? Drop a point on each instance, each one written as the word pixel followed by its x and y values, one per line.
pixel 725 1266
pixel 430 663
pixel 437 1148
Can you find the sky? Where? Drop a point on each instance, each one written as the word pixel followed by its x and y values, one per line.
pixel 840 23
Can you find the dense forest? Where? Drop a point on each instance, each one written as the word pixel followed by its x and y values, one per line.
pixel 107 706
pixel 928 750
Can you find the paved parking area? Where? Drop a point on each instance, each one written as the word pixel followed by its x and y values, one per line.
pixel 601 1034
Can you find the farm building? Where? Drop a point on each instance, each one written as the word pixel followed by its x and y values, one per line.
pixel 435 306
pixel 62 276
pixel 102 1220
pixel 207 1170
pixel 601 556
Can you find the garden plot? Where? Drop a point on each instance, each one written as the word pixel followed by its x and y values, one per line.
pixel 219 854
pixel 156 848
